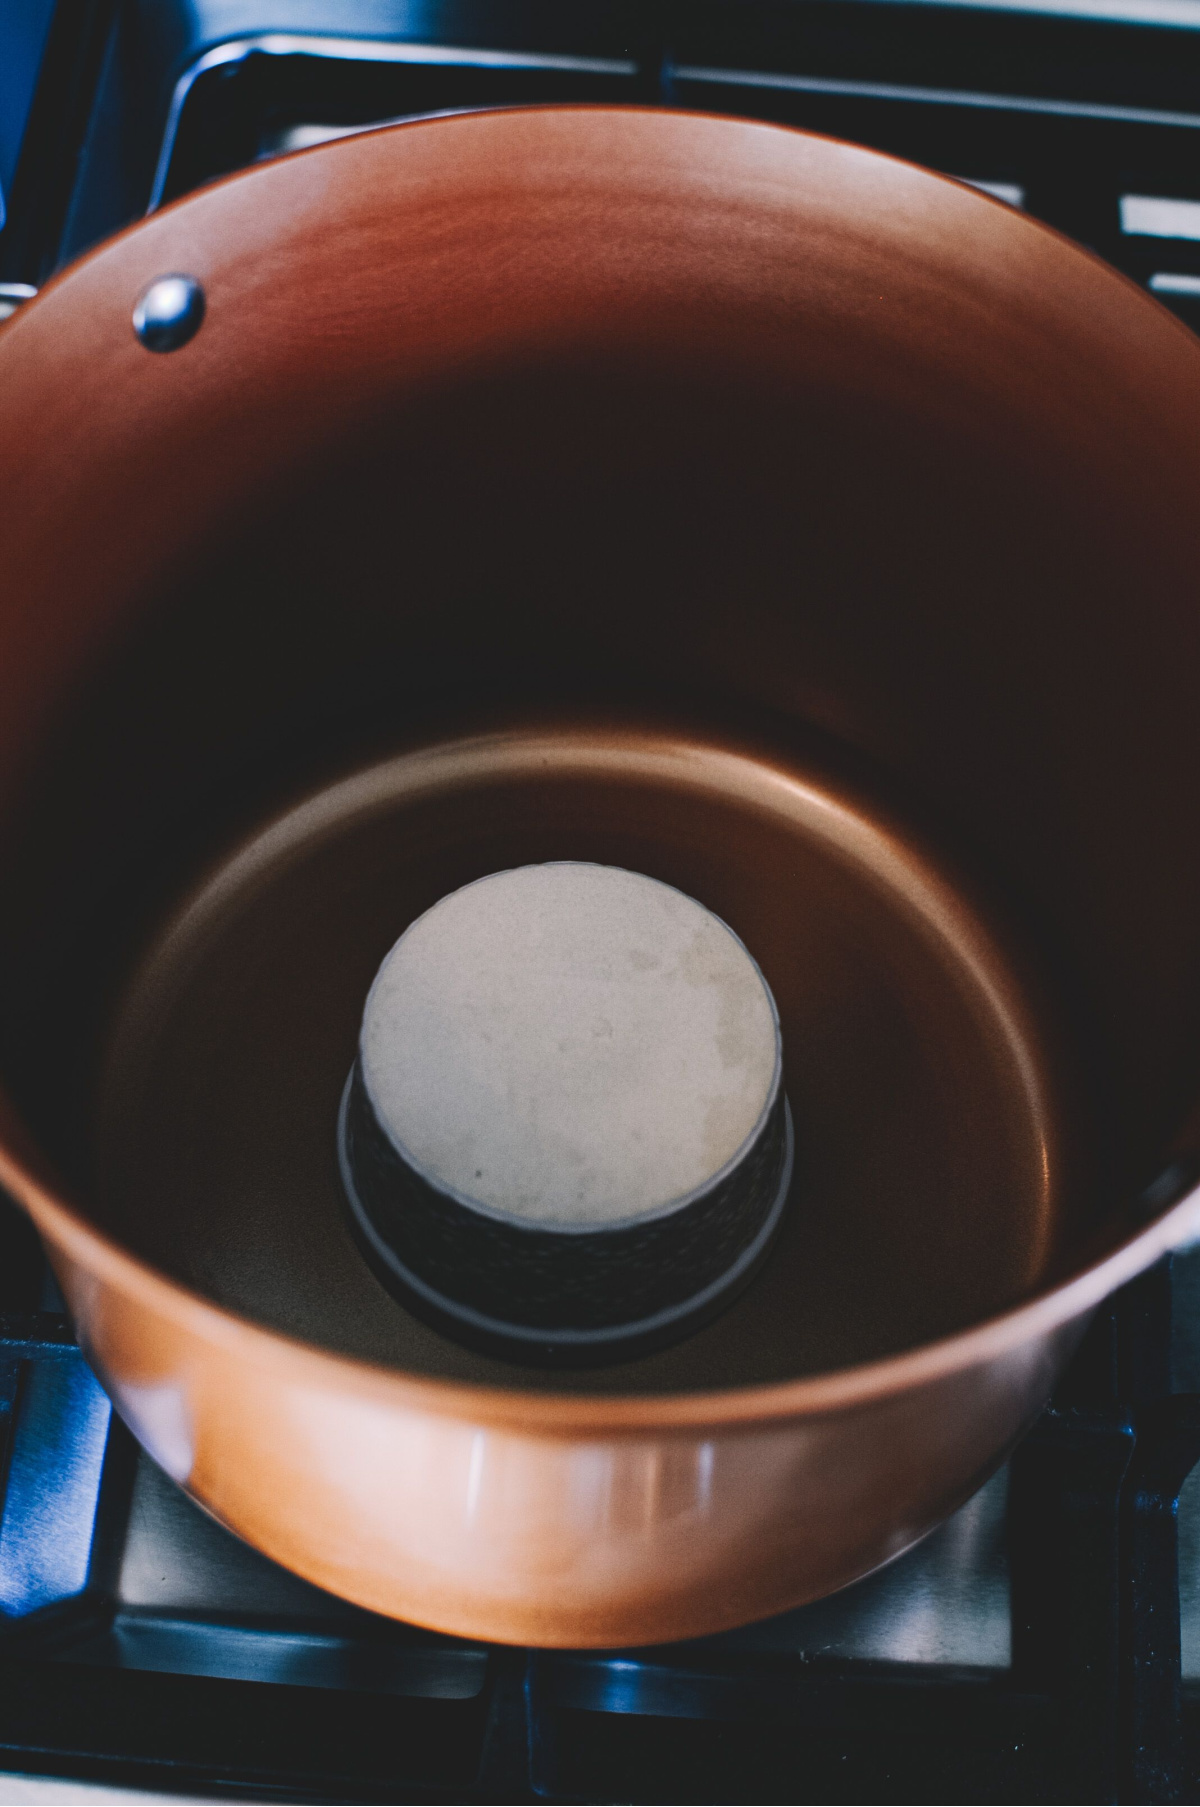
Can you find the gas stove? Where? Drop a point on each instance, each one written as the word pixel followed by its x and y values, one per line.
pixel 1044 1645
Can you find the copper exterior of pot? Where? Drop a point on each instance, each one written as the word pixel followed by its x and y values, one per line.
pixel 918 477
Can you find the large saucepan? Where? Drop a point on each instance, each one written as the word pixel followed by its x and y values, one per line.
pixel 700 497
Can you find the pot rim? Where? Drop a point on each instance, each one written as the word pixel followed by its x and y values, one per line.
pixel 572 1414
pixel 449 118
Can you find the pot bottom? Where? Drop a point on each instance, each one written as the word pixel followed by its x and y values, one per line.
pixel 929 1183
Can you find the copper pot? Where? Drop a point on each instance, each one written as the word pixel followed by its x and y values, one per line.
pixel 769 515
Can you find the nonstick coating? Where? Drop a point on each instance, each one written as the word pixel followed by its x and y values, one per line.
pixel 805 489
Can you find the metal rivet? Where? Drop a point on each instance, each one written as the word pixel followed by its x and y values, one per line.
pixel 169 313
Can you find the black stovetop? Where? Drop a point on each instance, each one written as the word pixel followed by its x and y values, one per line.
pixel 1044 1645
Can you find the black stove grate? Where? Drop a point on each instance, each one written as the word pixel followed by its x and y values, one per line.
pixel 1031 1650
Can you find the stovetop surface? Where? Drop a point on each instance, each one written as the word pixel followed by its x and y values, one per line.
pixel 1044 1645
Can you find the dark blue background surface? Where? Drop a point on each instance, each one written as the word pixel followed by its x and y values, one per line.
pixel 23 28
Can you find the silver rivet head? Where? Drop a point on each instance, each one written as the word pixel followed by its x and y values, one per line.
pixel 169 313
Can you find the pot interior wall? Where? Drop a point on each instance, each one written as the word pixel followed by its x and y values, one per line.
pixel 951 603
